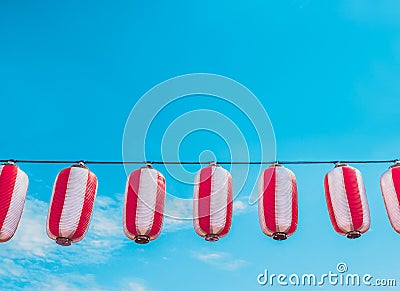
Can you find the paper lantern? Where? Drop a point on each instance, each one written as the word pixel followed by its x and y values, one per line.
pixel 13 188
pixel 144 205
pixel 390 186
pixel 277 204
pixel 212 203
pixel 71 205
pixel 347 201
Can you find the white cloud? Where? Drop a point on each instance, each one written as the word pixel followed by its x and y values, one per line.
pixel 178 207
pixel 243 205
pixel 220 260
pixel 65 282
pixel 12 270
pixel 239 206
pixel 30 240
pixel 180 214
pixel 134 286
pixel 31 256
pixel 208 257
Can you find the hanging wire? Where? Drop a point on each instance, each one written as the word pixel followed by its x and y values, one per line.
pixel 197 162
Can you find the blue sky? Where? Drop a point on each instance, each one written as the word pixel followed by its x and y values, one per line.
pixel 70 73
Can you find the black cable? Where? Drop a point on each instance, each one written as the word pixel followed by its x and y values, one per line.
pixel 196 163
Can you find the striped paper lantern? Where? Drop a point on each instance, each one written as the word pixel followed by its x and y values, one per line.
pixel 13 188
pixel 144 205
pixel 212 203
pixel 390 186
pixel 347 201
pixel 277 204
pixel 71 205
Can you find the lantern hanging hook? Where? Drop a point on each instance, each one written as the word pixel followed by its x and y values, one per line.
pixel 396 163
pixel 338 164
pixel 80 164
pixel 10 162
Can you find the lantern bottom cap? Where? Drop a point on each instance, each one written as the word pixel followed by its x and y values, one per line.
pixel 353 234
pixel 279 236
pixel 63 241
pixel 142 239
pixel 212 237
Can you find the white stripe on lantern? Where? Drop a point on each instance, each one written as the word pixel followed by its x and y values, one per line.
pixel 283 199
pixel 147 195
pixel 73 203
pixel 364 202
pixel 340 204
pixel 218 199
pixel 390 198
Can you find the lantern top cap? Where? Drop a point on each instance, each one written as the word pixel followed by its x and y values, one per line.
pixel 339 164
pixel 10 163
pixel 148 165
pixel 276 164
pixel 80 164
pixel 396 163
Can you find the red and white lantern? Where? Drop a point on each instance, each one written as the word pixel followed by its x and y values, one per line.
pixel 13 188
pixel 212 203
pixel 277 204
pixel 390 186
pixel 144 205
pixel 347 201
pixel 71 205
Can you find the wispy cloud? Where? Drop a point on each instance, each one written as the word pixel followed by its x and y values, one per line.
pixel 65 282
pixel 135 286
pixel 179 214
pixel 32 250
pixel 220 260
pixel 30 240
pixel 241 205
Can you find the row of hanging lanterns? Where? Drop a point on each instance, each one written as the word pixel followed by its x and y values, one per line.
pixel 75 189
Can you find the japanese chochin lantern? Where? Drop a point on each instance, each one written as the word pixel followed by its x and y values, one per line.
pixel 71 204
pixel 277 203
pixel 390 186
pixel 13 188
pixel 347 201
pixel 144 205
pixel 212 202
